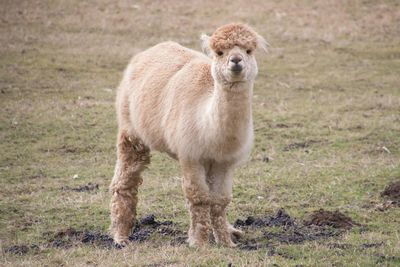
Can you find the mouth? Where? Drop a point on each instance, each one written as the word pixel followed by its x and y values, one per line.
pixel 236 74
pixel 236 69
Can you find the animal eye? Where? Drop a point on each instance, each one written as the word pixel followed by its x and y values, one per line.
pixel 248 51
pixel 220 53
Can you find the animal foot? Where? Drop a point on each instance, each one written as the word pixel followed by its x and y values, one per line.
pixel 235 232
pixel 195 242
pixel 120 242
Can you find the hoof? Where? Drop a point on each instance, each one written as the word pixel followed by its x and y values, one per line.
pixel 235 232
pixel 230 245
pixel 195 243
pixel 120 242
pixel 226 243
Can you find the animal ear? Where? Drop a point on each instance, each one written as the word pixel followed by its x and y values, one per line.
pixel 205 44
pixel 262 44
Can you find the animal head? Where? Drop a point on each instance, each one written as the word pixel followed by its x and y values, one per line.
pixel 232 48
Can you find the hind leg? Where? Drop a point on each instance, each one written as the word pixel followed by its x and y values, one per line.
pixel 132 158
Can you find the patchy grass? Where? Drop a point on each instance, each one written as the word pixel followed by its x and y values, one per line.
pixel 327 123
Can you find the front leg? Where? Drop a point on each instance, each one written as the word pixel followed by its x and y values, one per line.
pixel 220 179
pixel 197 195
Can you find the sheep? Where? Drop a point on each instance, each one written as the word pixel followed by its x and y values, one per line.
pixel 196 107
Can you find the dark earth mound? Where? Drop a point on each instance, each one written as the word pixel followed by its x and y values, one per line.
pixel 83 188
pixel 282 228
pixel 392 192
pixel 335 219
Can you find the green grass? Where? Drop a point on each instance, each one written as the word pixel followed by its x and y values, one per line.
pixel 330 79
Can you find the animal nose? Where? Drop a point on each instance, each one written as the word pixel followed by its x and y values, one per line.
pixel 236 60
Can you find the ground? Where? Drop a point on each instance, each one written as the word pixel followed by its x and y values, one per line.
pixel 326 115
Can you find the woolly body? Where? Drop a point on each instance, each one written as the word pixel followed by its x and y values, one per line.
pixel 196 109
pixel 173 107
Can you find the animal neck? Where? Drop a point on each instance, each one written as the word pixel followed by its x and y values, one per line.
pixel 231 107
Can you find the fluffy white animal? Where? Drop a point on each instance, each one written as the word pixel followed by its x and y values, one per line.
pixel 196 108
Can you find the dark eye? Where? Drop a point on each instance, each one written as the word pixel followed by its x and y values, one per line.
pixel 248 51
pixel 220 53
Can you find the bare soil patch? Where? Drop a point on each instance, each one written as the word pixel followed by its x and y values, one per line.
pixel 145 229
pixel 149 226
pixel 281 218
pixel 279 227
pixel 83 188
pixel 283 228
pixel 335 219
pixel 68 237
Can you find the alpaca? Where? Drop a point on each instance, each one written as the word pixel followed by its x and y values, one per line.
pixel 197 109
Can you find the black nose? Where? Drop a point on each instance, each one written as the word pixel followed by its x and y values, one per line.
pixel 236 60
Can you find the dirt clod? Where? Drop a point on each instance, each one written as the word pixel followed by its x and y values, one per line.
pixel 298 145
pixel 281 125
pixel 83 188
pixel 339 246
pixel 149 220
pixel 386 258
pixel 392 192
pixel 371 245
pixel 384 206
pixel 149 225
pixel 21 249
pixel 68 237
pixel 140 235
pixel 281 218
pixel 335 219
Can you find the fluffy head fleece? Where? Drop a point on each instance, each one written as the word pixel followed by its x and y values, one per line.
pixel 233 34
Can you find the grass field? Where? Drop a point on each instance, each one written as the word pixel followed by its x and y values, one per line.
pixel 326 114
